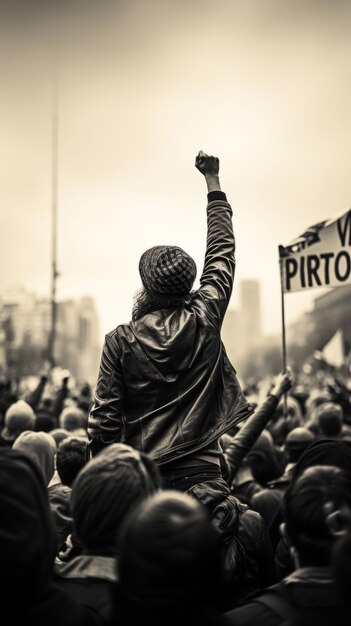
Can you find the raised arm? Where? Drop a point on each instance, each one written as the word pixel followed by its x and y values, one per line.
pixel 209 167
pixel 251 430
pixel 218 273
pixel 35 396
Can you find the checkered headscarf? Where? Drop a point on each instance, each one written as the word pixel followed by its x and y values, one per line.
pixel 167 270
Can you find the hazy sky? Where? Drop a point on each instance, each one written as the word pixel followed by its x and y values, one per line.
pixel 144 85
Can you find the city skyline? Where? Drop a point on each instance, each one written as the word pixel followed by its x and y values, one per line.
pixel 25 323
pixel 142 89
pixel 235 305
pixel 79 343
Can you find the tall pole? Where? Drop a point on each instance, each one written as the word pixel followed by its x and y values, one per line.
pixel 54 202
pixel 285 401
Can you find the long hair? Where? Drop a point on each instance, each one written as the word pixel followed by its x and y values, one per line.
pixel 145 302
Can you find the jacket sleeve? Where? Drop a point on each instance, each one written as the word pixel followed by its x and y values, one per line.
pixel 105 424
pixel 216 282
pixel 248 435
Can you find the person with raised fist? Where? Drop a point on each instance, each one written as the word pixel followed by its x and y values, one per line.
pixel 166 386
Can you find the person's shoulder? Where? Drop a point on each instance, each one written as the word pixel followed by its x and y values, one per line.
pixel 252 614
pixel 274 491
pixel 59 490
pixel 113 335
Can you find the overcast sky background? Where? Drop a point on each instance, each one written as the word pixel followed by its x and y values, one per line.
pixel 144 85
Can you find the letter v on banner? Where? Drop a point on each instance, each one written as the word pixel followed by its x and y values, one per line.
pixel 320 257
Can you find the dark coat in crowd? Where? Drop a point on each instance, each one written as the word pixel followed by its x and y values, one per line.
pixel 28 547
pixel 89 580
pixel 60 499
pixel 309 597
pixel 248 555
pixel 268 502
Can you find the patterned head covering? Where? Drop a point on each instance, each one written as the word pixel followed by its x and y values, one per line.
pixel 107 487
pixel 167 270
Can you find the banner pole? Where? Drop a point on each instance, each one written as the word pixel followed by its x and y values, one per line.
pixel 283 332
pixel 285 397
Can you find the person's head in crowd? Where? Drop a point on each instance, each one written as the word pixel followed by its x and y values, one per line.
pixel 314 400
pixel 170 563
pixel 296 442
pixel 71 456
pixel 18 418
pixel 279 426
pixel 324 452
pixel 317 507
pixel 28 548
pixel 59 434
pixel 263 459
pixel 300 393
pixel 105 490
pixel 86 391
pixel 46 405
pixel 329 417
pixel 74 420
pixel 44 423
pixel 7 398
pixel 27 534
pixel 84 398
pixel 41 447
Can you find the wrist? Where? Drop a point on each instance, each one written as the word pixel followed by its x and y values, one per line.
pixel 212 181
pixel 276 393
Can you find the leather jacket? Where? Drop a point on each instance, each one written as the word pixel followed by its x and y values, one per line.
pixel 166 385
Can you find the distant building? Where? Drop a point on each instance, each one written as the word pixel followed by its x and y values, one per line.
pixel 78 346
pixel 241 330
pixel 21 307
pixel 332 312
pixel 312 330
pixel 251 313
pixel 232 335
pixel 25 324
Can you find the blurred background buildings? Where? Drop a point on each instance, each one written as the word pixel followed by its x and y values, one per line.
pixel 24 332
pixel 255 354
pixel 25 326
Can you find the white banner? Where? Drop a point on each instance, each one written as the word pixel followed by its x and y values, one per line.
pixel 333 351
pixel 320 257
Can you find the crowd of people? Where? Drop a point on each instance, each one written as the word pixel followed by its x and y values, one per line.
pixel 168 494
pixel 101 540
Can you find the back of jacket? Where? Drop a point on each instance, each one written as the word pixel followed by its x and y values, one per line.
pixel 165 384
